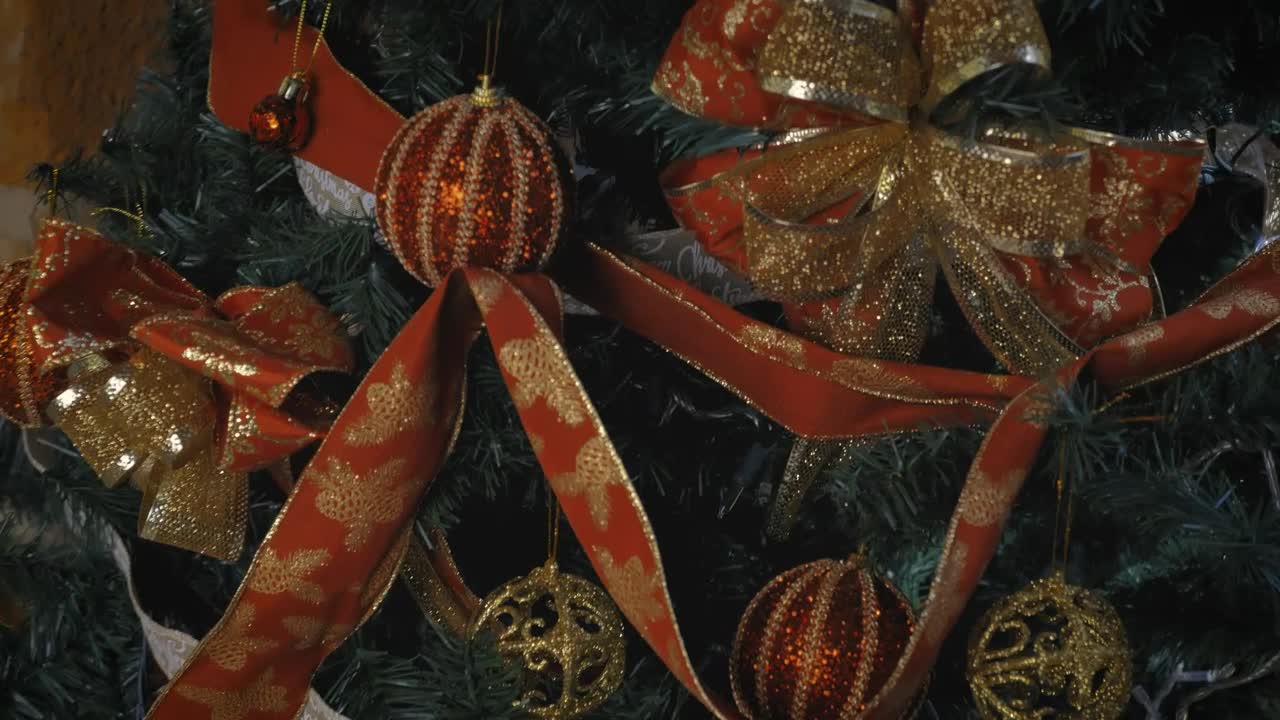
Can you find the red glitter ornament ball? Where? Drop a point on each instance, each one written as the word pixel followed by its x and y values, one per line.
pixel 818 642
pixel 474 181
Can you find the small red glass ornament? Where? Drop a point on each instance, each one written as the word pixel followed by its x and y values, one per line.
pixel 473 181
pixel 282 121
pixel 818 642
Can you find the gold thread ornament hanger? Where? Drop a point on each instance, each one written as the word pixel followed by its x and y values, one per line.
pixel 142 232
pixel 486 94
pixel 1052 648
pixel 51 195
pixel 282 120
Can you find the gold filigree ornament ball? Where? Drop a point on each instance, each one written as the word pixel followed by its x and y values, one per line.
pixel 567 635
pixel 1050 650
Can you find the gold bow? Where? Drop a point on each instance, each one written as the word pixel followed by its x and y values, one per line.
pixel 157 383
pixel 871 206
pixel 862 200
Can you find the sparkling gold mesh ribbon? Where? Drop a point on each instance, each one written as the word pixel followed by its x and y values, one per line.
pixel 861 56
pixel 852 55
pixel 151 421
pixel 121 415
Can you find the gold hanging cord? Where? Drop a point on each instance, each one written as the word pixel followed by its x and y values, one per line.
pixel 553 526
pixel 1062 519
pixel 52 196
pixel 1064 513
pixel 492 41
pixel 297 38
pixel 138 216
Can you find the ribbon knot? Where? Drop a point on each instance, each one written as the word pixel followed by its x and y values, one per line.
pixel 862 200
pixel 181 395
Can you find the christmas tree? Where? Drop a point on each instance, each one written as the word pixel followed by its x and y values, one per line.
pixel 1163 499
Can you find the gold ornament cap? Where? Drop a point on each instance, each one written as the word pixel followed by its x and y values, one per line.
pixel 487 94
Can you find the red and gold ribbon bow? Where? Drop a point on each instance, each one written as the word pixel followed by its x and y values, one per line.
pixel 339 540
pixel 159 385
pixel 1045 243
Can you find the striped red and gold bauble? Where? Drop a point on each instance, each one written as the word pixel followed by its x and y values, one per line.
pixel 818 642
pixel 473 181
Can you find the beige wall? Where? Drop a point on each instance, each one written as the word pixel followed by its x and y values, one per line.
pixel 67 71
pixel 17 212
